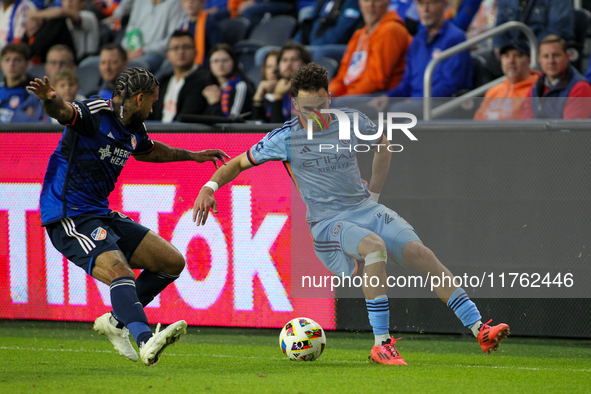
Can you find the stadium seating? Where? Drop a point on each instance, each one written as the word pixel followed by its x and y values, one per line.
pixel 481 75
pixel 274 31
pixel 37 71
pixel 90 78
pixel 234 29
pixel 246 50
pixel 260 54
pixel 331 66
pixel 333 51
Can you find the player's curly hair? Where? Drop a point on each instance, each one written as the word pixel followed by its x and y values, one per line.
pixel 310 77
pixel 134 81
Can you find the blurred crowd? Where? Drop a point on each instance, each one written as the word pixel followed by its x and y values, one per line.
pixel 232 60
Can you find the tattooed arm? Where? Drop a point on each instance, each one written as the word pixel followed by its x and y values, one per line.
pixel 162 153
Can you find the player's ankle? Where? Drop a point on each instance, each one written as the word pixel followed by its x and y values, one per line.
pixel 381 338
pixel 476 328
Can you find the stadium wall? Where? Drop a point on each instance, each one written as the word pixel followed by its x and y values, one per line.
pixel 505 197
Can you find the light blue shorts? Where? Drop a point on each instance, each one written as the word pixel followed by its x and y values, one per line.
pixel 336 240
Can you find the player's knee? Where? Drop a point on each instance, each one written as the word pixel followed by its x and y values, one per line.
pixel 107 270
pixel 176 263
pixel 371 245
pixel 120 268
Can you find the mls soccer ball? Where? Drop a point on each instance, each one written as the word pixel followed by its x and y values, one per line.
pixel 302 339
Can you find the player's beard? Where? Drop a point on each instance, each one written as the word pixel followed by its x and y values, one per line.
pixel 136 120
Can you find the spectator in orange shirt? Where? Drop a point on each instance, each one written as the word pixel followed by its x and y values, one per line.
pixel 562 92
pixel 376 54
pixel 505 100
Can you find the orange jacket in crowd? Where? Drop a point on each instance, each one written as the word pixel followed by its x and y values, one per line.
pixel 378 59
pixel 504 101
pixel 233 7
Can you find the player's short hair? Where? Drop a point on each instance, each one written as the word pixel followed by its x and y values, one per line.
pixel 310 78
pixel 20 49
pixel 66 73
pixel 552 39
pixel 296 46
pixel 115 47
pixel 134 81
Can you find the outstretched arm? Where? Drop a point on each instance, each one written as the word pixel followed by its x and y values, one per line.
pixel 163 153
pixel 51 102
pixel 205 200
pixel 379 169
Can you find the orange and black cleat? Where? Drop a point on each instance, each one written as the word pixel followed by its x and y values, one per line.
pixel 490 337
pixel 387 353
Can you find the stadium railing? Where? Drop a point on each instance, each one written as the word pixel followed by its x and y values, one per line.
pixel 429 112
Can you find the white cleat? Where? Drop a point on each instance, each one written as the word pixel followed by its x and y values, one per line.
pixel 119 337
pixel 151 350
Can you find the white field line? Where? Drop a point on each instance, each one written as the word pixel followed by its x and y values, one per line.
pixel 283 358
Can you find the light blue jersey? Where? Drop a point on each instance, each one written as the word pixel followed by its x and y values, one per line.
pixel 324 169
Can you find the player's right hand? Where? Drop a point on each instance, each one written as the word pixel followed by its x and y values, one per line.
pixel 42 89
pixel 204 202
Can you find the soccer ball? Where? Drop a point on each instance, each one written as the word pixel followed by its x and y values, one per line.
pixel 302 339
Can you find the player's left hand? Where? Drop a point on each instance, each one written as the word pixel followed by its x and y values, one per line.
pixel 203 203
pixel 211 155
pixel 42 89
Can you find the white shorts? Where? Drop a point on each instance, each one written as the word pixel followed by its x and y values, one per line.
pixel 336 240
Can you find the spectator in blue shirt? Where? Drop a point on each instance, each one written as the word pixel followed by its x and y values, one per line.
pixel 333 22
pixel 461 12
pixel 400 6
pixel 436 34
pixel 17 104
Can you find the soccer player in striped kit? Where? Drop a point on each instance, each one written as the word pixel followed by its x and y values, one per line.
pixel 99 137
pixel 346 221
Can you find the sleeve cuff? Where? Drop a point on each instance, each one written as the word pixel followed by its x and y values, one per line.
pixel 249 157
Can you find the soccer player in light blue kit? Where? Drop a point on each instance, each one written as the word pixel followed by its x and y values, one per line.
pixel 346 221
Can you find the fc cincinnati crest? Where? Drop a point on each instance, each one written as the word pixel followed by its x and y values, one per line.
pixel 337 229
pixel 99 234
pixel 133 142
pixel 14 102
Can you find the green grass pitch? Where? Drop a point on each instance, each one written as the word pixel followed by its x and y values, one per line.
pixel 57 357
